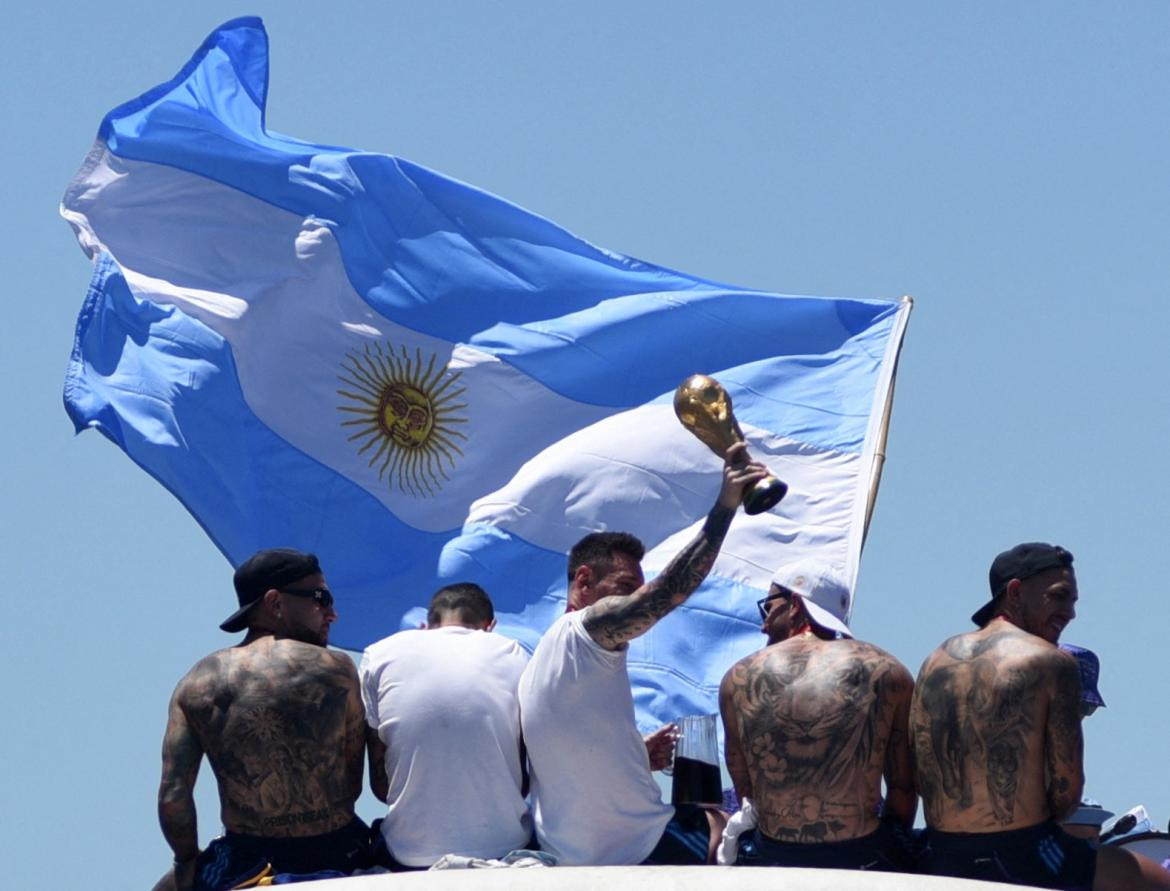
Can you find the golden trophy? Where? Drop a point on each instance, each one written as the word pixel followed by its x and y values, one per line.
pixel 704 408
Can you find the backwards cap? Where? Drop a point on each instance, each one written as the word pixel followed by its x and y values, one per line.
pixel 825 596
pixel 263 570
pixel 1021 562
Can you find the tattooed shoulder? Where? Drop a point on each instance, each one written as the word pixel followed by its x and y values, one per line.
pixel 815 719
pixel 277 720
pixel 978 719
pixel 201 681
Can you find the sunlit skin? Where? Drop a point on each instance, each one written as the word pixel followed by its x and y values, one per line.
pixel 279 717
pixel 1043 604
pixel 624 578
pixel 812 726
pixel 301 618
pixel 784 619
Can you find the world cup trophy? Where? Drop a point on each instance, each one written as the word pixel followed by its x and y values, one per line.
pixel 704 408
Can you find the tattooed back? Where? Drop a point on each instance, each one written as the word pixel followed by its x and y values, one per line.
pixel 996 731
pixel 281 724
pixel 812 726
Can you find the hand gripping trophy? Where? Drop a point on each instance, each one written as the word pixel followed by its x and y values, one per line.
pixel 704 408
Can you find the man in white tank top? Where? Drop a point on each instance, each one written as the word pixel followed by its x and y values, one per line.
pixel 596 802
pixel 447 757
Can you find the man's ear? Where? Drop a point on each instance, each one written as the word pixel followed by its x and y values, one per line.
pixel 796 611
pixel 1011 597
pixel 582 581
pixel 1012 591
pixel 583 577
pixel 271 601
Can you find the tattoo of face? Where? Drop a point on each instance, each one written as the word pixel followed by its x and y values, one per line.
pixel 813 726
pixel 973 716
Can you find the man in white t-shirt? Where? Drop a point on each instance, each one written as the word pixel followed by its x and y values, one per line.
pixel 596 802
pixel 447 757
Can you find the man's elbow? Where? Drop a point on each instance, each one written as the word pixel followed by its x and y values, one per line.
pixel 174 795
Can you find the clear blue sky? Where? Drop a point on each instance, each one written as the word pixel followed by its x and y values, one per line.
pixel 1004 163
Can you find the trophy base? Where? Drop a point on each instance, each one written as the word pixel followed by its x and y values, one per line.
pixel 764 495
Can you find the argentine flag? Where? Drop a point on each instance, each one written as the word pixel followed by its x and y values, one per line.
pixel 353 355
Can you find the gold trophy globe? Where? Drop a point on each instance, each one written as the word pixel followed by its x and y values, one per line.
pixel 704 408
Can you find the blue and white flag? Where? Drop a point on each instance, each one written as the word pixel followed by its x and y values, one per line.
pixel 351 354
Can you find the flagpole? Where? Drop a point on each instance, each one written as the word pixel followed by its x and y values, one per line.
pixel 875 477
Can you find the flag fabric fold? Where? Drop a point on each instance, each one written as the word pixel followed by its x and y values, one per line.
pixel 350 354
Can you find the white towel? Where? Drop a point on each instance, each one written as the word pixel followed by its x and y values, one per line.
pixel 513 860
pixel 741 821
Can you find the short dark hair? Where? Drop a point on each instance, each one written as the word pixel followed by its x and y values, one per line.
pixel 467 599
pixel 596 551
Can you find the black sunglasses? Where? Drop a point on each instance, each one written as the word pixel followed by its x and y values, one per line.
pixel 323 597
pixel 763 602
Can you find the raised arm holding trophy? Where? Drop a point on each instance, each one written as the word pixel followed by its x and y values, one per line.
pixel 596 800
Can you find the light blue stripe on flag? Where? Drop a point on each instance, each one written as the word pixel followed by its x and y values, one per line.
pixel 348 353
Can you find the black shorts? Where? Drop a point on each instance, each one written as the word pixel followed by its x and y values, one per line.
pixel 233 858
pixel 886 849
pixel 1044 856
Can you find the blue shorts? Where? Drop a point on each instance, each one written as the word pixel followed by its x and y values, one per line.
pixel 885 849
pixel 234 858
pixel 1044 856
pixel 685 840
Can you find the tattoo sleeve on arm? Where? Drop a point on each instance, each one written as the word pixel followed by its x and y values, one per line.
pixel 898 771
pixel 614 621
pixel 379 780
pixel 356 740
pixel 375 748
pixel 732 740
pixel 1064 743
pixel 176 800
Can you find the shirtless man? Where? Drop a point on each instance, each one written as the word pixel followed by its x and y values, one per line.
pixel 280 720
pixel 996 730
pixel 597 803
pixel 812 723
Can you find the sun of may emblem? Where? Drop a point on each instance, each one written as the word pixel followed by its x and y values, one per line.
pixel 404 417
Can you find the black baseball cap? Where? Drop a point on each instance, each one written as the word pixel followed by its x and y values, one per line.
pixel 1021 562
pixel 263 570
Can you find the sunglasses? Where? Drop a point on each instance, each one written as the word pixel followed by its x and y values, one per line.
pixel 323 597
pixel 763 602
